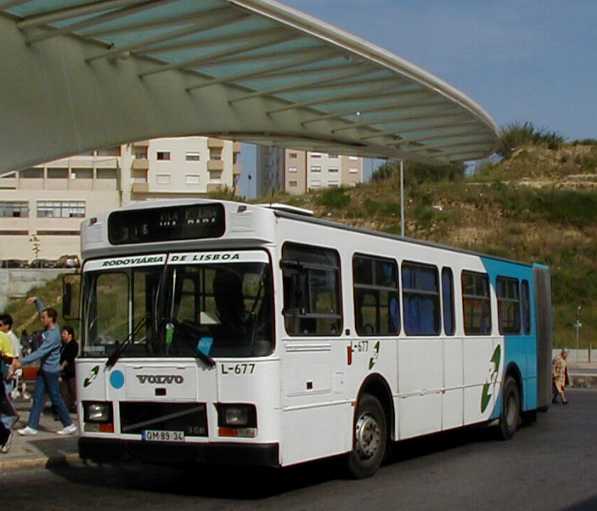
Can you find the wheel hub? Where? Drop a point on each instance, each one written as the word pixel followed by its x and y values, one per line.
pixel 368 436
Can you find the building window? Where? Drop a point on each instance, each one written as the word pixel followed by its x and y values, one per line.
pixel 163 179
pixel 293 184
pixel 192 179
pixel 311 282
pixel 57 173
pixel 332 156
pixel 14 209
pixel 215 154
pixel 293 156
pixel 476 303
pixel 163 155
pixel 106 174
pixel 81 173
pixel 140 152
pixel 508 299
pixel 61 209
pixel 192 157
pixel 376 298
pixel 353 171
pixel 315 168
pixel 32 173
pixel 333 170
pixel 291 169
pixel 420 297
pixel 526 308
pixel 448 301
pixel 315 155
pixel 332 185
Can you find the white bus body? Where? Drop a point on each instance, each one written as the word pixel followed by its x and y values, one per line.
pixel 355 321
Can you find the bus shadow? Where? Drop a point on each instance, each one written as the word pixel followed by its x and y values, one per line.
pixel 250 483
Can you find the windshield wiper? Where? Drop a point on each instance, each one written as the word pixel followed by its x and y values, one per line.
pixel 206 359
pixel 116 354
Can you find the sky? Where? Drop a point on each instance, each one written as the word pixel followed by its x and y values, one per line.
pixel 531 60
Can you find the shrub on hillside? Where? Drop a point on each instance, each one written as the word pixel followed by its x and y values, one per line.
pixel 517 134
pixel 335 198
pixel 417 172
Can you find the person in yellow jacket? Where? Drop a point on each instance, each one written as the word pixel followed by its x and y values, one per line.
pixel 560 377
pixel 6 408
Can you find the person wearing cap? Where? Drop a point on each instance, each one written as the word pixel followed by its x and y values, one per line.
pixel 560 377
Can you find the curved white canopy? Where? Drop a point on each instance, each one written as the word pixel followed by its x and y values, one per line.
pixel 85 74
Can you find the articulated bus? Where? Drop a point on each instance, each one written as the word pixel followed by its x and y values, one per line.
pixel 221 332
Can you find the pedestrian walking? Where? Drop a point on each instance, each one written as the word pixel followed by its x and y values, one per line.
pixel 70 350
pixel 47 381
pixel 6 409
pixel 560 377
pixel 12 382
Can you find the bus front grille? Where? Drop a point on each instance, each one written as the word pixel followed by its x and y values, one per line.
pixel 189 418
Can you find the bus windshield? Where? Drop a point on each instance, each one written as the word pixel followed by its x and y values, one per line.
pixel 223 310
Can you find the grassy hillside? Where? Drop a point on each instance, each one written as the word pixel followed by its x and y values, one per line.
pixel 539 205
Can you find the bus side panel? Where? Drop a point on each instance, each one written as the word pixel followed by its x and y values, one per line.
pixel 420 380
pixel 316 416
pixel 520 350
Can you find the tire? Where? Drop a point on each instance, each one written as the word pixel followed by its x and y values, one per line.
pixel 511 411
pixel 370 438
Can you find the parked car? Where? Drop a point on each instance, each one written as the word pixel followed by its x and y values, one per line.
pixel 14 263
pixel 68 261
pixel 43 263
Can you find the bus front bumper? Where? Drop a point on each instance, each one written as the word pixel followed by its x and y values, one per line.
pixel 216 453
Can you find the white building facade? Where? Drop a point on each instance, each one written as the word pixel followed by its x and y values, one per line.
pixel 296 172
pixel 41 208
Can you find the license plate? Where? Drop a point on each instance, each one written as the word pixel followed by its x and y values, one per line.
pixel 163 436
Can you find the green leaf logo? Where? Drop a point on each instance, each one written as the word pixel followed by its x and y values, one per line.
pixel 92 376
pixel 492 378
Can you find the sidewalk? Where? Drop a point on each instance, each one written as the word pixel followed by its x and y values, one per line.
pixel 42 450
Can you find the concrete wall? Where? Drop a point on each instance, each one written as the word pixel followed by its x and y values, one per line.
pixel 16 283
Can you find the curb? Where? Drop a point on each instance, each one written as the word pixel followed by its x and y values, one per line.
pixel 35 462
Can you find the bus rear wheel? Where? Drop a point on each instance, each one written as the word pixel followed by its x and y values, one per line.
pixel 370 438
pixel 510 416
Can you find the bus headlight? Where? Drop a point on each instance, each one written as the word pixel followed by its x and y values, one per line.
pixel 237 419
pixel 98 412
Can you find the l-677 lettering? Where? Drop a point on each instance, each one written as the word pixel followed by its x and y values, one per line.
pixel 238 369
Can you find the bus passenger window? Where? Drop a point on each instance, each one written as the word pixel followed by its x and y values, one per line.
pixel 476 303
pixel 420 295
pixel 448 301
pixel 526 308
pixel 376 300
pixel 312 304
pixel 508 299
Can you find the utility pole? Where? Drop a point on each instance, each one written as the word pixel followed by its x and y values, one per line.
pixel 578 326
pixel 402 198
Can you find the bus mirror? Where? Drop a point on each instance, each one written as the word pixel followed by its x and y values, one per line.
pixel 71 286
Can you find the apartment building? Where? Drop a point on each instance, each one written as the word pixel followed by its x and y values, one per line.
pixel 297 172
pixel 41 208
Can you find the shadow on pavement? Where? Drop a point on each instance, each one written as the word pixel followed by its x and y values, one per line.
pixel 225 482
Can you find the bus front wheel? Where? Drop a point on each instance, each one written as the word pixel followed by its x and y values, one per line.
pixel 510 416
pixel 370 438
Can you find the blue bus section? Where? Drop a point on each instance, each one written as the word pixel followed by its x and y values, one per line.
pixel 520 350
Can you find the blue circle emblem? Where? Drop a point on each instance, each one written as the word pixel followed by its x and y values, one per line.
pixel 117 379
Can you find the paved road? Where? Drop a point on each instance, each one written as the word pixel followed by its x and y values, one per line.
pixel 550 465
